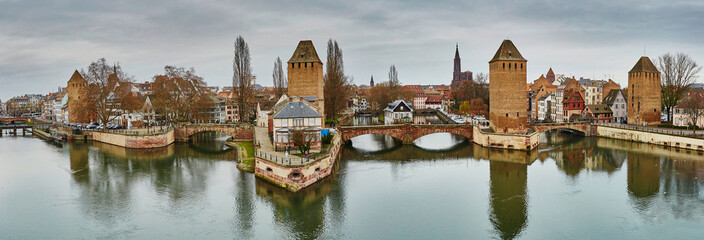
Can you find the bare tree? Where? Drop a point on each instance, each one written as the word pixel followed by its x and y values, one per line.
pixel 107 88
pixel 678 72
pixel 337 85
pixel 242 78
pixel 393 77
pixel 280 81
pixel 693 106
pixel 382 94
pixel 301 140
pixel 179 95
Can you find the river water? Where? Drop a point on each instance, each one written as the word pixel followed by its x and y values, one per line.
pixel 440 188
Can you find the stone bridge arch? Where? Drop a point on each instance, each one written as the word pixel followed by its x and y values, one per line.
pixel 407 133
pixel 243 132
pixel 584 128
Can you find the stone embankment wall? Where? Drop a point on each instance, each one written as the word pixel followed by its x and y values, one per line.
pixel 295 178
pixel 507 141
pixel 650 137
pixel 135 141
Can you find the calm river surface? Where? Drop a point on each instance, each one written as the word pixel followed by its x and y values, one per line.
pixel 441 188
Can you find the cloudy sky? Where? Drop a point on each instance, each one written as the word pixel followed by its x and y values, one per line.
pixel 43 42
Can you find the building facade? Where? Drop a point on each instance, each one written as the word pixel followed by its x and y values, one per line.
pixel 76 88
pixel 617 102
pixel 507 90
pixel 305 75
pixel 644 96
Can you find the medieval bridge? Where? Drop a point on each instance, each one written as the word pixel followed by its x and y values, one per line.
pixel 183 131
pixel 406 132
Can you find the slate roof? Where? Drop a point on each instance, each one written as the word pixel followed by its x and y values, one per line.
pixel 507 51
pixel 297 109
pixel 611 96
pixel 644 65
pixel 310 98
pixel 305 52
pixel 392 106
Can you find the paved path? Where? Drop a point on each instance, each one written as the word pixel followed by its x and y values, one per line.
pixel 261 135
pixel 679 132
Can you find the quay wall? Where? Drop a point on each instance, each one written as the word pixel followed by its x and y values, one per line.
pixel 295 178
pixel 650 137
pixel 135 141
pixel 507 141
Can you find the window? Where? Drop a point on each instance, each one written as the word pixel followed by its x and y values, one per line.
pixel 504 65
pixel 305 65
pixel 292 65
pixel 509 66
pixel 298 122
pixel 299 65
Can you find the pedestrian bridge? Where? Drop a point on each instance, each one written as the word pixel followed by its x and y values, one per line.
pixel 183 131
pixel 582 128
pixel 407 133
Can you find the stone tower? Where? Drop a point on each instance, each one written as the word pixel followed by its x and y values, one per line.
pixel 371 82
pixel 508 100
pixel 75 88
pixel 644 93
pixel 305 75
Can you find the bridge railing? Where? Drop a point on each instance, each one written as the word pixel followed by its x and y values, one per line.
pixel 678 132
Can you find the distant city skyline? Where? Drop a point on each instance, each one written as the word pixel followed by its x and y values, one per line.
pixel 44 42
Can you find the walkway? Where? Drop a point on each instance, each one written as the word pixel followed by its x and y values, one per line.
pixel 677 132
pixel 264 149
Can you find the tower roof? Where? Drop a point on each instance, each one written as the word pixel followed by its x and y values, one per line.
pixel 507 51
pixel 76 77
pixel 457 51
pixel 550 73
pixel 305 52
pixel 644 65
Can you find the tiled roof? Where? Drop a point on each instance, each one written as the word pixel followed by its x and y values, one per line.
pixel 644 65
pixel 297 109
pixel 611 96
pixel 76 77
pixel 599 108
pixel 305 52
pixel 507 52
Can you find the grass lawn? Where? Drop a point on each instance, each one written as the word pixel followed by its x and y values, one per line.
pixel 248 146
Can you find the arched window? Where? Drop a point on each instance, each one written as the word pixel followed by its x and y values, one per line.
pixel 305 65
pixel 515 66
pixel 504 66
pixel 521 66
pixel 509 66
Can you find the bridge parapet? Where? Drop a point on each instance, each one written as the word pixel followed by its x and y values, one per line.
pixel 406 132
pixel 237 131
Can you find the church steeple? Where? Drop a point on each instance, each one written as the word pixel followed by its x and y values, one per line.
pixel 458 65
pixel 371 83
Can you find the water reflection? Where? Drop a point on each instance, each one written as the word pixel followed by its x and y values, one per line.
pixel 181 189
pixel 213 142
pixel 508 198
pixel 107 175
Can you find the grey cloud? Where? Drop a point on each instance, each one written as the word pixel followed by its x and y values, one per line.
pixel 43 41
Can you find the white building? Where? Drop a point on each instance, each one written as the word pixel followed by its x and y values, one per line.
pixel 545 105
pixel 617 103
pixel 397 112
pixel 296 115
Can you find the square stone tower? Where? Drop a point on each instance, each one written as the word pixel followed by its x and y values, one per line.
pixel 75 88
pixel 305 75
pixel 644 96
pixel 508 100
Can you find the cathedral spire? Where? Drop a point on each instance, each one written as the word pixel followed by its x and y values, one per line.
pixel 458 64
